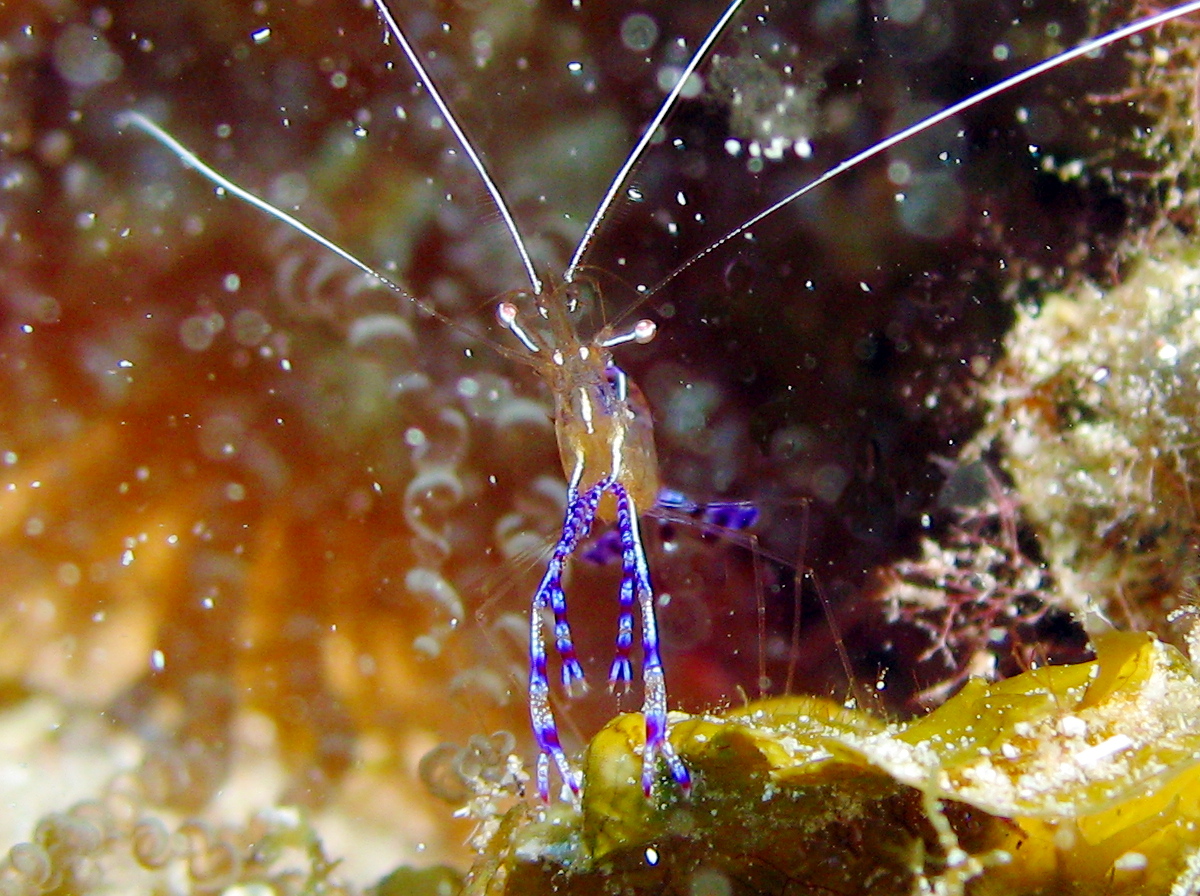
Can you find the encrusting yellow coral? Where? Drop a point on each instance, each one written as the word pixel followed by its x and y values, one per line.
pixel 1060 780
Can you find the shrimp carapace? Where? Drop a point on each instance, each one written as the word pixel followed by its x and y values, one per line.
pixel 601 417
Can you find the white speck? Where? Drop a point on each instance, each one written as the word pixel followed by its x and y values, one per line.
pixel 261 36
pixel 1100 375
pixel 1008 751
pixel 1118 743
pixel 651 855
pixel 1168 352
pixel 1131 861
pixel 1072 726
pixel 158 661
pixel 127 558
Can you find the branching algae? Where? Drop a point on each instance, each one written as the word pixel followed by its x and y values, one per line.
pixel 1065 779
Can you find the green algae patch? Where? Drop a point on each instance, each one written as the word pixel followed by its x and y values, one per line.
pixel 1066 779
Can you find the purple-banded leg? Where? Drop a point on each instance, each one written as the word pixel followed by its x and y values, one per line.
pixel 577 522
pixel 545 731
pixel 550 593
pixel 654 683
pixel 580 513
pixel 621 671
pixel 736 515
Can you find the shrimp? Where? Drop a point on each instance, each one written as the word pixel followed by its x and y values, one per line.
pixel 602 423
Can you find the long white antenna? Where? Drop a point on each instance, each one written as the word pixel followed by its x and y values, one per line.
pixel 140 122
pixel 937 118
pixel 189 158
pixel 444 108
pixel 639 150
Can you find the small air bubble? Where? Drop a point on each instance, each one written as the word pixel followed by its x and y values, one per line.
pixel 224 130
pixel 639 32
pixel 899 173
pixel 197 332
pixel 84 58
pixel 68 575
pixel 828 483
pixel 235 492
pixel 338 80
pixel 668 77
pixel 250 327
pixel 414 437
pixel 1000 52
pixel 232 282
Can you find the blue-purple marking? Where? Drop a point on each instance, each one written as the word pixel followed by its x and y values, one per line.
pixel 636 589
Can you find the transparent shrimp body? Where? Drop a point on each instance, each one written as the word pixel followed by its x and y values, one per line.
pixel 606 442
